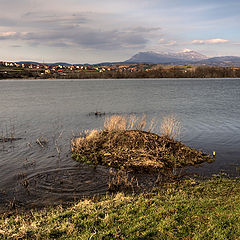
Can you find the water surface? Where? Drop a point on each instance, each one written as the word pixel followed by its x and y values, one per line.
pixel 55 110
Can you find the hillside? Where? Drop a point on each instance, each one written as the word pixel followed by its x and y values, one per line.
pixel 167 58
pixel 185 57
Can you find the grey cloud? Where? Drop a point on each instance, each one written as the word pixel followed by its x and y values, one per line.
pixel 64 36
pixel 60 45
pixel 50 18
pixel 7 22
pixel 145 29
pixel 40 21
pixel 90 39
pixel 16 46
pixel 79 29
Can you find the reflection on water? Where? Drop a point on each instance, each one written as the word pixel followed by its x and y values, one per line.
pixel 56 110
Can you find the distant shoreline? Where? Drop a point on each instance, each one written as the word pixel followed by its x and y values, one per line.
pixel 36 79
pixel 118 72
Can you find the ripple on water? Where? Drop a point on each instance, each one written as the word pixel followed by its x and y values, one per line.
pixel 83 181
pixel 62 185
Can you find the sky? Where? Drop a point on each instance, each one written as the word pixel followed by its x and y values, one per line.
pixel 93 31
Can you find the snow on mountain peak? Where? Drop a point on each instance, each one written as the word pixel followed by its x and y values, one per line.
pixel 186 50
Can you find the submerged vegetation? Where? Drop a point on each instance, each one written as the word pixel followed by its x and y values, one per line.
pixel 7 134
pixel 124 144
pixel 185 210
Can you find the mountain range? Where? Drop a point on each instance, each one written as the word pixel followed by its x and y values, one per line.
pixel 166 58
pixel 56 63
pixel 185 57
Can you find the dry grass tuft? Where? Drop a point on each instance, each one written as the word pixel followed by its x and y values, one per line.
pixel 141 123
pixel 132 122
pixel 170 127
pixel 92 134
pixel 122 123
pixel 152 125
pixel 115 123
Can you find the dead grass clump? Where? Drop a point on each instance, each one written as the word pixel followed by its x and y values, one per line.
pixel 122 123
pixel 115 123
pixel 141 123
pixel 92 134
pixel 170 127
pixel 152 125
pixel 77 142
pixel 132 121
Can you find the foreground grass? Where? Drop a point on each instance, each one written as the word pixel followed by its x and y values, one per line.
pixel 187 210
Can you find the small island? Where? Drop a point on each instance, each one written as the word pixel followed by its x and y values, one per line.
pixel 125 145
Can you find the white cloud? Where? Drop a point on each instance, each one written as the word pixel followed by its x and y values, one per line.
pixel 166 42
pixel 210 41
pixel 7 34
pixel 11 35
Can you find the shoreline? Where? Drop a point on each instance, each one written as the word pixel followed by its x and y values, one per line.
pixel 79 79
pixel 175 209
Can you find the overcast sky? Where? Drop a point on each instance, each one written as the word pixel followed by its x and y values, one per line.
pixel 92 31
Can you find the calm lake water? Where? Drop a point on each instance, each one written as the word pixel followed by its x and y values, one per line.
pixel 56 110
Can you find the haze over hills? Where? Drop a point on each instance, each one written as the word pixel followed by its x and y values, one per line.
pixel 186 56
pixel 224 61
pixel 36 63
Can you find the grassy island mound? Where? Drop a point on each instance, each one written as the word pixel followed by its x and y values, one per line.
pixel 120 146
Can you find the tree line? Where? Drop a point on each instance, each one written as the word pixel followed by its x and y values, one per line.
pixel 175 72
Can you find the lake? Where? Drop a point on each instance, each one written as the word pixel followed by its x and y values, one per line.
pixel 53 111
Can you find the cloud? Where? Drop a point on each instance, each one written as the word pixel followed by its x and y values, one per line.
pixel 7 34
pixel 15 46
pixel 11 35
pixel 166 42
pixel 82 37
pixel 7 22
pixel 210 41
pixel 145 29
pixel 79 29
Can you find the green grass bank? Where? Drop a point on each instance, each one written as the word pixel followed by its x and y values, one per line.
pixel 185 210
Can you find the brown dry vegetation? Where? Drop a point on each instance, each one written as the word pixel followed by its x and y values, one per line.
pixel 170 127
pixel 120 146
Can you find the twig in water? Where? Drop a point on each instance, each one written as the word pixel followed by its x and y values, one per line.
pixel 42 142
pixel 58 148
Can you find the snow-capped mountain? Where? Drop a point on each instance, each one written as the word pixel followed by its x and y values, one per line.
pixel 186 55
